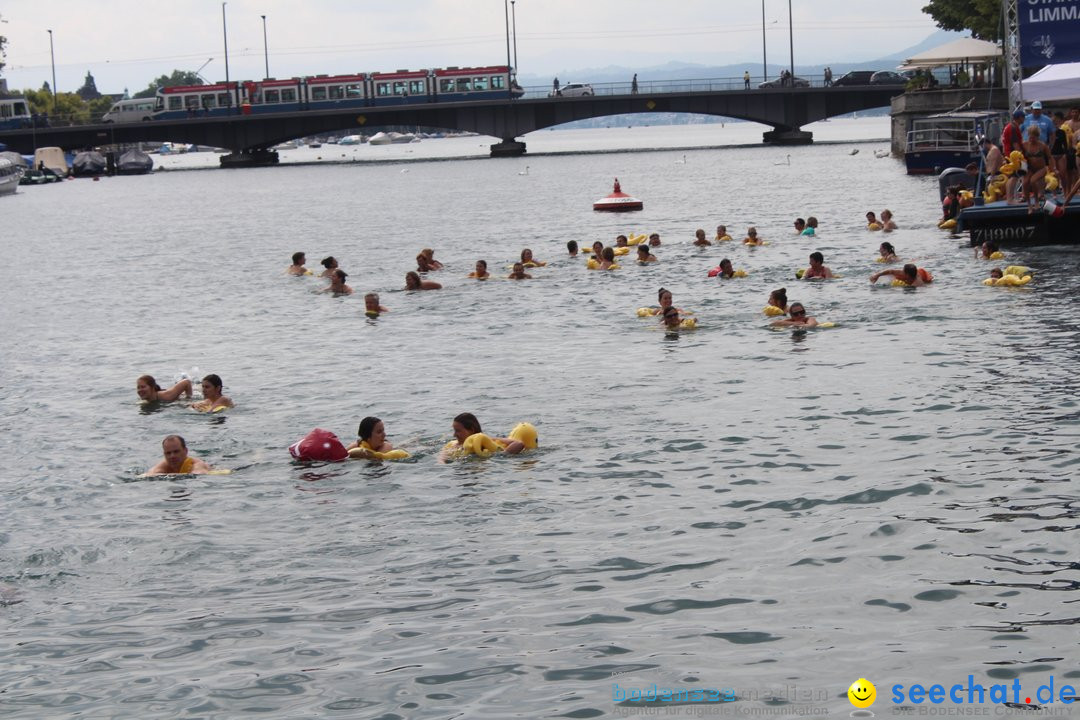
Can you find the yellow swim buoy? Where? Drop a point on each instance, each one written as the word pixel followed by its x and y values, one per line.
pixel 622 250
pixel 688 324
pixel 723 238
pixel 773 311
pixel 1008 281
pixel 1018 270
pixel 899 283
pixel 592 264
pixel 997 255
pixel 948 224
pixel 526 434
pixel 647 312
pixel 480 445
pixel 365 452
pixel 873 226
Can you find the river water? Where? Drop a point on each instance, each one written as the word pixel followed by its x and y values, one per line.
pixel 772 512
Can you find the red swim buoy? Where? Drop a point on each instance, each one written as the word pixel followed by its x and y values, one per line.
pixel 618 201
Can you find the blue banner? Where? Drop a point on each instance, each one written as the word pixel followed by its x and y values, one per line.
pixel 1049 31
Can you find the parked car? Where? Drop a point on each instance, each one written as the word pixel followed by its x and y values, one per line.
pixel 887 77
pixel 855 77
pixel 775 83
pixel 573 90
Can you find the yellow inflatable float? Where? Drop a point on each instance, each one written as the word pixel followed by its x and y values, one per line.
pixel 484 446
pixel 773 311
pixel 364 452
pixel 1007 281
pixel 949 224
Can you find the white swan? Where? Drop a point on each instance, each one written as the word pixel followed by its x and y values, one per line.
pixel 525 171
pixel 681 162
pixel 786 162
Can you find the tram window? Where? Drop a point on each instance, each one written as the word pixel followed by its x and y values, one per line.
pixel 416 87
pixel 191 102
pixel 354 92
pixel 464 85
pixel 224 100
pixel 382 89
pixel 176 102
pixel 207 101
pixel 337 92
pixel 5 111
pixel 399 88
pixel 288 95
pixel 480 83
pixel 446 85
pixel 498 82
pixel 318 93
pixel 272 96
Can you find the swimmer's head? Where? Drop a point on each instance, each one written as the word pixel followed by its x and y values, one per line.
pixel 329 262
pixel 146 387
pixel 911 270
pixel 571 247
pixel 526 255
pixel 428 253
pixel 174 449
pixel 800 224
pixel 298 258
pixel 643 252
pixel 664 297
pixel 699 234
pixel 886 249
pixel 996 273
pixel 621 241
pixel 671 316
pixel 752 231
pixel 211 385
pixel 423 262
pixel 886 214
pixel 368 426
pixel 481 267
pixel 816 258
pixel 339 276
pixel 796 310
pixel 465 425
pixel 519 269
pixel 654 239
pixel 778 298
pixel 597 248
pixel 371 303
pixel 725 265
pixel 871 217
pixel 412 280
pixel 811 221
pixel 721 230
pixel 609 254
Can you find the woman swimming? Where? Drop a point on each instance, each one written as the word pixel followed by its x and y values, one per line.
pixel 337 284
pixel 887 253
pixel 464 426
pixel 528 261
pixel 481 271
pixel 798 317
pixel 608 263
pixel 433 264
pixel 413 282
pixel 212 397
pixel 149 391
pixel 778 299
pixel 371 437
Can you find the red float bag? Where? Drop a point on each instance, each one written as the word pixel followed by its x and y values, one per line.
pixel 319 444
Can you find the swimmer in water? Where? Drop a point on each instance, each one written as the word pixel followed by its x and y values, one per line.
pixel 372 308
pixel 337 284
pixel 212 397
pixel 572 248
pixel 654 240
pixel 609 259
pixel 911 275
pixel 528 261
pixel 297 267
pixel 871 219
pixel 699 238
pixel 996 274
pixel 778 298
pixel 986 251
pixel 423 263
pixel 465 425
pixel 670 318
pixel 149 392
pixel 370 437
pixel 176 460
pixel 811 226
pixel 887 224
pixel 413 282
pixel 724 270
pixel 798 317
pixel 598 250
pixel 518 273
pixel 722 233
pixel 666 300
pixel 800 225
pixel 752 237
pixel 622 241
pixel 432 262
pixel 644 256
pixel 330 264
pixel 481 271
pixel 817 268
pixel 887 252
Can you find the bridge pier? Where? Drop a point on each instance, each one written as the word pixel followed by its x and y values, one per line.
pixel 508 148
pixel 787 136
pixel 250 157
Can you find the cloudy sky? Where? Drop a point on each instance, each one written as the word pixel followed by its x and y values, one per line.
pixel 126 43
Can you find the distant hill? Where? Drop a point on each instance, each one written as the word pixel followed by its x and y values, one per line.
pixel 676 70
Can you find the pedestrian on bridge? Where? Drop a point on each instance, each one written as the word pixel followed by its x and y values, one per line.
pixel 633 85
pixel 555 87
pixel 746 79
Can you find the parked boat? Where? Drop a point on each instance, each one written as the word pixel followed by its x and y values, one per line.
pixel 51 158
pixel 134 162
pixel 88 163
pixel 380 138
pixel 1013 226
pixel 352 140
pixel 949 139
pixel 10 174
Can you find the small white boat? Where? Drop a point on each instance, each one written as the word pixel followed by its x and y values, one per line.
pixel 10 174
pixel 380 138
pixel 402 138
pixel 351 140
pixel 51 158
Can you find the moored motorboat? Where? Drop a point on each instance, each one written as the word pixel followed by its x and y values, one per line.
pixel 10 174
pixel 618 201
pixel 88 163
pixel 380 138
pixel 134 162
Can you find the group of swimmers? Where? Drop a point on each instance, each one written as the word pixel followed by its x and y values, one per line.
pixel 174 447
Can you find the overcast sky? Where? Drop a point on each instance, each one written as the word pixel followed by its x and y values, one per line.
pixel 127 43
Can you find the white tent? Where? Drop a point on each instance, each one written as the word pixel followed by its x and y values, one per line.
pixel 955 52
pixel 1054 82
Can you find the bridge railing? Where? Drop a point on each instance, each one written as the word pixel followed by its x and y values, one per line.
pixel 646 87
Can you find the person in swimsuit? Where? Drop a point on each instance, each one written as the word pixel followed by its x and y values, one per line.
pixel 817 268
pixel 212 397
pixel 608 261
pixel 778 298
pixel 572 248
pixel 413 282
pixel 887 224
pixel 330 264
pixel 337 284
pixel 725 270
pixel 370 437
pixel 654 240
pixel 887 252
pixel 800 225
pixel 297 267
pixel 481 271
pixel 372 308
pixel 644 256
pixel 752 237
pixel 518 273
pixel 528 260
pixel 722 233
pixel 150 392
pixel 798 317
pixel 465 425
pixel 1037 155
pixel 910 275
pixel 176 460
pixel 433 264
pixel 700 239
pixel 423 264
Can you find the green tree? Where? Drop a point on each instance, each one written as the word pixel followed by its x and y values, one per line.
pixel 98 107
pixel 178 77
pixel 981 17
pixel 3 54
pixel 69 107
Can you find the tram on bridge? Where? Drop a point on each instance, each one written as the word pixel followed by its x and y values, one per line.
pixel 331 92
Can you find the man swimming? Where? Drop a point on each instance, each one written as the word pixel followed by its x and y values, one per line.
pixel 911 275
pixel 297 267
pixel 176 460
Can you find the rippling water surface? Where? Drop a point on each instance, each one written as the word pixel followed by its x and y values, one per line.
pixel 735 507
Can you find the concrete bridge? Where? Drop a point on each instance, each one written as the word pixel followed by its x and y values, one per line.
pixel 250 136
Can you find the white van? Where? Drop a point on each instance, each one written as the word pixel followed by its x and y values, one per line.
pixel 136 110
